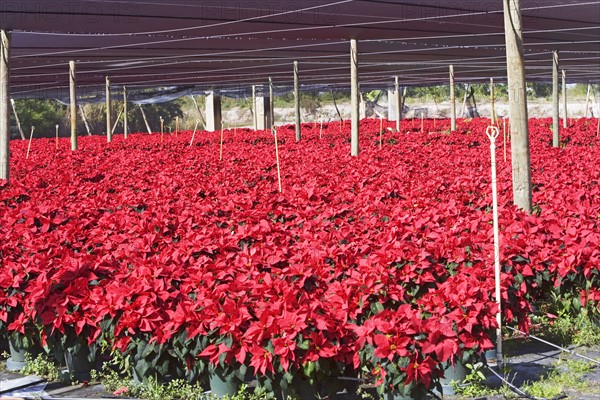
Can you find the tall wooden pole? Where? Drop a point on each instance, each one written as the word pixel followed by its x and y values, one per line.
pixel 354 98
pixel 564 90
pixel 555 101
pixel 72 82
pixel 5 38
pixel 297 101
pixel 587 101
pixel 452 100
pixel 521 165
pixel 493 101
pixel 398 104
pixel 125 122
pixel 108 124
pixel 254 107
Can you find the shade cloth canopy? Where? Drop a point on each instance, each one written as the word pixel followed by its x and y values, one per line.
pixel 193 45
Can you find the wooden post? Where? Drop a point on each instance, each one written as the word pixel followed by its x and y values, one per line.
pixel 5 39
pixel 493 101
pixel 521 165
pixel 452 100
pixel 72 81
pixel 85 121
pixel 145 120
pixel 254 107
pixel 587 100
pixel 564 90
pixel 56 137
pixel 176 125
pixel 555 101
pixel 14 108
pixel 297 102
pixel 125 121
pixel 398 104
pixel 354 98
pixel 108 124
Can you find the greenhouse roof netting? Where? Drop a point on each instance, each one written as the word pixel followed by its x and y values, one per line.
pixel 191 46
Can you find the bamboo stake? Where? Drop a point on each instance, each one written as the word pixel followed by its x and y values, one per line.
pixel 221 149
pixel 30 139
pixel 321 130
pixel 162 126
pixel 504 135
pixel 380 132
pixel 492 133
pixel 194 134
pixel 56 137
pixel 277 160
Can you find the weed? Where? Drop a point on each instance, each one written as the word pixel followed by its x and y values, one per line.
pixel 42 367
pixel 567 374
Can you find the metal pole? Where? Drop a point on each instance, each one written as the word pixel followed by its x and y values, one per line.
pixel 72 81
pixel 125 122
pixel 85 121
pixel 555 101
pixel 564 90
pixel 5 38
pixel 354 97
pixel 452 100
pixel 14 108
pixel 398 105
pixel 297 101
pixel 108 125
pixel 519 128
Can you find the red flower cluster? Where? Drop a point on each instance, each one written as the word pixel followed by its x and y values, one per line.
pixel 387 257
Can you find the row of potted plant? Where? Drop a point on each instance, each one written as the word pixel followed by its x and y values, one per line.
pixel 191 265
